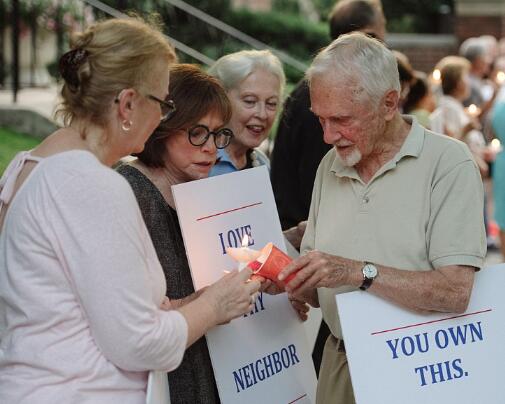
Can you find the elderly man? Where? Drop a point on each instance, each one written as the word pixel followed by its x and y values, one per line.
pixel 299 145
pixel 396 209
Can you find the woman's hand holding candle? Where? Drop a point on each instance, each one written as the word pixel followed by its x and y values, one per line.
pixel 268 286
pixel 232 296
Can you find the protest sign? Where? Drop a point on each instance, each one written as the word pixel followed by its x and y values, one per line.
pixel 263 356
pixel 398 357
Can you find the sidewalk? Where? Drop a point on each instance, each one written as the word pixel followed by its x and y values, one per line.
pixel 41 100
pixel 33 111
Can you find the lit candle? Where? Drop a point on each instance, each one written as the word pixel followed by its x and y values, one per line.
pixel 473 110
pixel 436 76
pixel 496 145
pixel 243 255
pixel 267 263
pixel 500 78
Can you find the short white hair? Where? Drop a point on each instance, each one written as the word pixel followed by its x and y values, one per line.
pixel 358 59
pixel 472 49
pixel 232 69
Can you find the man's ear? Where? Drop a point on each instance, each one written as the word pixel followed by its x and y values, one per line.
pixel 390 102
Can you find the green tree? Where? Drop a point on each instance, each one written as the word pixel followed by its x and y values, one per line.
pixel 420 16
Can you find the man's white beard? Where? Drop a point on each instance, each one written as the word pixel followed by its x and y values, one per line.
pixel 351 159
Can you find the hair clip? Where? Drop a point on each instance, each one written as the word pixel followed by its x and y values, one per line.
pixel 70 63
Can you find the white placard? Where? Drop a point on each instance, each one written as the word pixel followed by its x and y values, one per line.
pixel 158 391
pixel 264 356
pixel 398 357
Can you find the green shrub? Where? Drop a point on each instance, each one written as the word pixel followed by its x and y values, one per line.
pixel 289 33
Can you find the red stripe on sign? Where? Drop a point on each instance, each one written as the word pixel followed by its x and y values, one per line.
pixel 229 211
pixel 298 399
pixel 431 322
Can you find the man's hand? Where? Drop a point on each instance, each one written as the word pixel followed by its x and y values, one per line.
pixel 300 307
pixel 317 269
pixel 295 234
pixel 309 296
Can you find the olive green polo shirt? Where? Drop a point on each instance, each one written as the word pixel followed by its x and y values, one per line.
pixel 422 210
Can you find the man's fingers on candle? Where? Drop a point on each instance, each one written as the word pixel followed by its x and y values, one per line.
pixel 301 276
pixel 291 267
pixel 296 265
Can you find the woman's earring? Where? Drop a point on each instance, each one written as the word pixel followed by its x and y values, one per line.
pixel 126 125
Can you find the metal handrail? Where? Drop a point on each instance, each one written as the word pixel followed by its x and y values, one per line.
pixel 178 45
pixel 287 59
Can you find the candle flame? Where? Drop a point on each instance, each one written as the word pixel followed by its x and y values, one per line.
pixel 500 77
pixel 436 75
pixel 472 109
pixel 495 143
pixel 245 240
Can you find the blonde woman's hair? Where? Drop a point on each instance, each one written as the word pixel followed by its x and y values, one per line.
pixel 452 70
pixel 232 69
pixel 108 57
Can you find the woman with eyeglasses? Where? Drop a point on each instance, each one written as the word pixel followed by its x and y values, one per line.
pixel 181 149
pixel 254 81
pixel 83 313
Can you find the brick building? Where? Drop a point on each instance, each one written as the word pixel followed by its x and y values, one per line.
pixel 482 17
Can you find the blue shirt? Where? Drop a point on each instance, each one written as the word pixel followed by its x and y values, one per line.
pixel 225 165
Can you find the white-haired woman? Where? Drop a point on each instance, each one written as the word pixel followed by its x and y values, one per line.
pixel 254 81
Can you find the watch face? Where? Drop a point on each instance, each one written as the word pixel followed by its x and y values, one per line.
pixel 370 271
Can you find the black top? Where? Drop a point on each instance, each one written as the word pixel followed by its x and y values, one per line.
pixel 298 150
pixel 193 381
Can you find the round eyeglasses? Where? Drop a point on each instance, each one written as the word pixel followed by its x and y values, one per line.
pixel 199 134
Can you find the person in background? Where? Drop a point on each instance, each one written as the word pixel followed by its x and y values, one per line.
pixel 181 149
pixel 498 125
pixel 420 101
pixel 254 81
pixel 417 247
pixel 299 145
pixel 452 119
pixel 81 287
pixel 407 76
pixel 482 91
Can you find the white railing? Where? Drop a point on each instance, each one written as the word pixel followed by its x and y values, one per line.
pixel 235 33
pixel 212 21
pixel 177 44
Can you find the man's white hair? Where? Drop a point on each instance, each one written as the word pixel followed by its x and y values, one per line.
pixel 232 69
pixel 361 61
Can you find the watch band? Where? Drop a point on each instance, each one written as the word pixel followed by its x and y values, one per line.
pixel 367 280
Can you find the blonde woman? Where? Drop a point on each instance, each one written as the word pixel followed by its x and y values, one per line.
pixel 80 283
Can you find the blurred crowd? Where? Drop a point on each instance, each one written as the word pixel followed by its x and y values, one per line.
pixel 463 98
